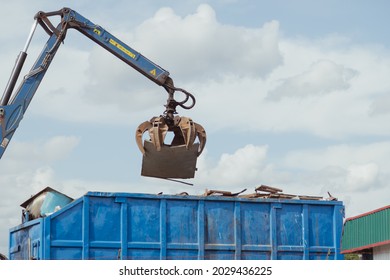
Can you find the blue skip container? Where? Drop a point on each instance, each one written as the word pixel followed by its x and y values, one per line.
pixel 102 226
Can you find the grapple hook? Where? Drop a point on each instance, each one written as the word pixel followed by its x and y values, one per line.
pixel 176 160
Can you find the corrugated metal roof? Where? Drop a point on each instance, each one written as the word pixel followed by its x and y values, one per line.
pixel 366 231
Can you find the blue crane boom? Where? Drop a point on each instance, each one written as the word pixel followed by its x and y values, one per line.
pixel 14 103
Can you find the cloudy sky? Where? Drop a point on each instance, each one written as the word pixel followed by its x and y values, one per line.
pixel 292 94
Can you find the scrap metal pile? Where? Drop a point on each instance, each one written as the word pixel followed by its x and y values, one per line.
pixel 264 191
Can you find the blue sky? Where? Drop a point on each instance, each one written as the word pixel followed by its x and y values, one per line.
pixel 292 94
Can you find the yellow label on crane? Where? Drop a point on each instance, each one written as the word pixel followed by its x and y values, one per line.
pixel 153 72
pixel 97 31
pixel 122 48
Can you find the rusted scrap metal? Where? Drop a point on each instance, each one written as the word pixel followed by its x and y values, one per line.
pixel 264 192
pixel 268 189
pixel 222 193
pixel 182 194
pixel 331 198
pixel 255 195
pixel 309 197
pixel 282 196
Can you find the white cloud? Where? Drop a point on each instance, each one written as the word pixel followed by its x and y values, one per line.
pixel 355 174
pixel 42 177
pixel 323 77
pixel 340 155
pixel 245 167
pixel 27 165
pixel 198 47
pixel 53 149
pixel 362 177
pixel 380 105
pixel 59 147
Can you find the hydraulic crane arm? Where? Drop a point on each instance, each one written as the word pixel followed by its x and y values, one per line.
pixel 14 104
pixel 71 19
